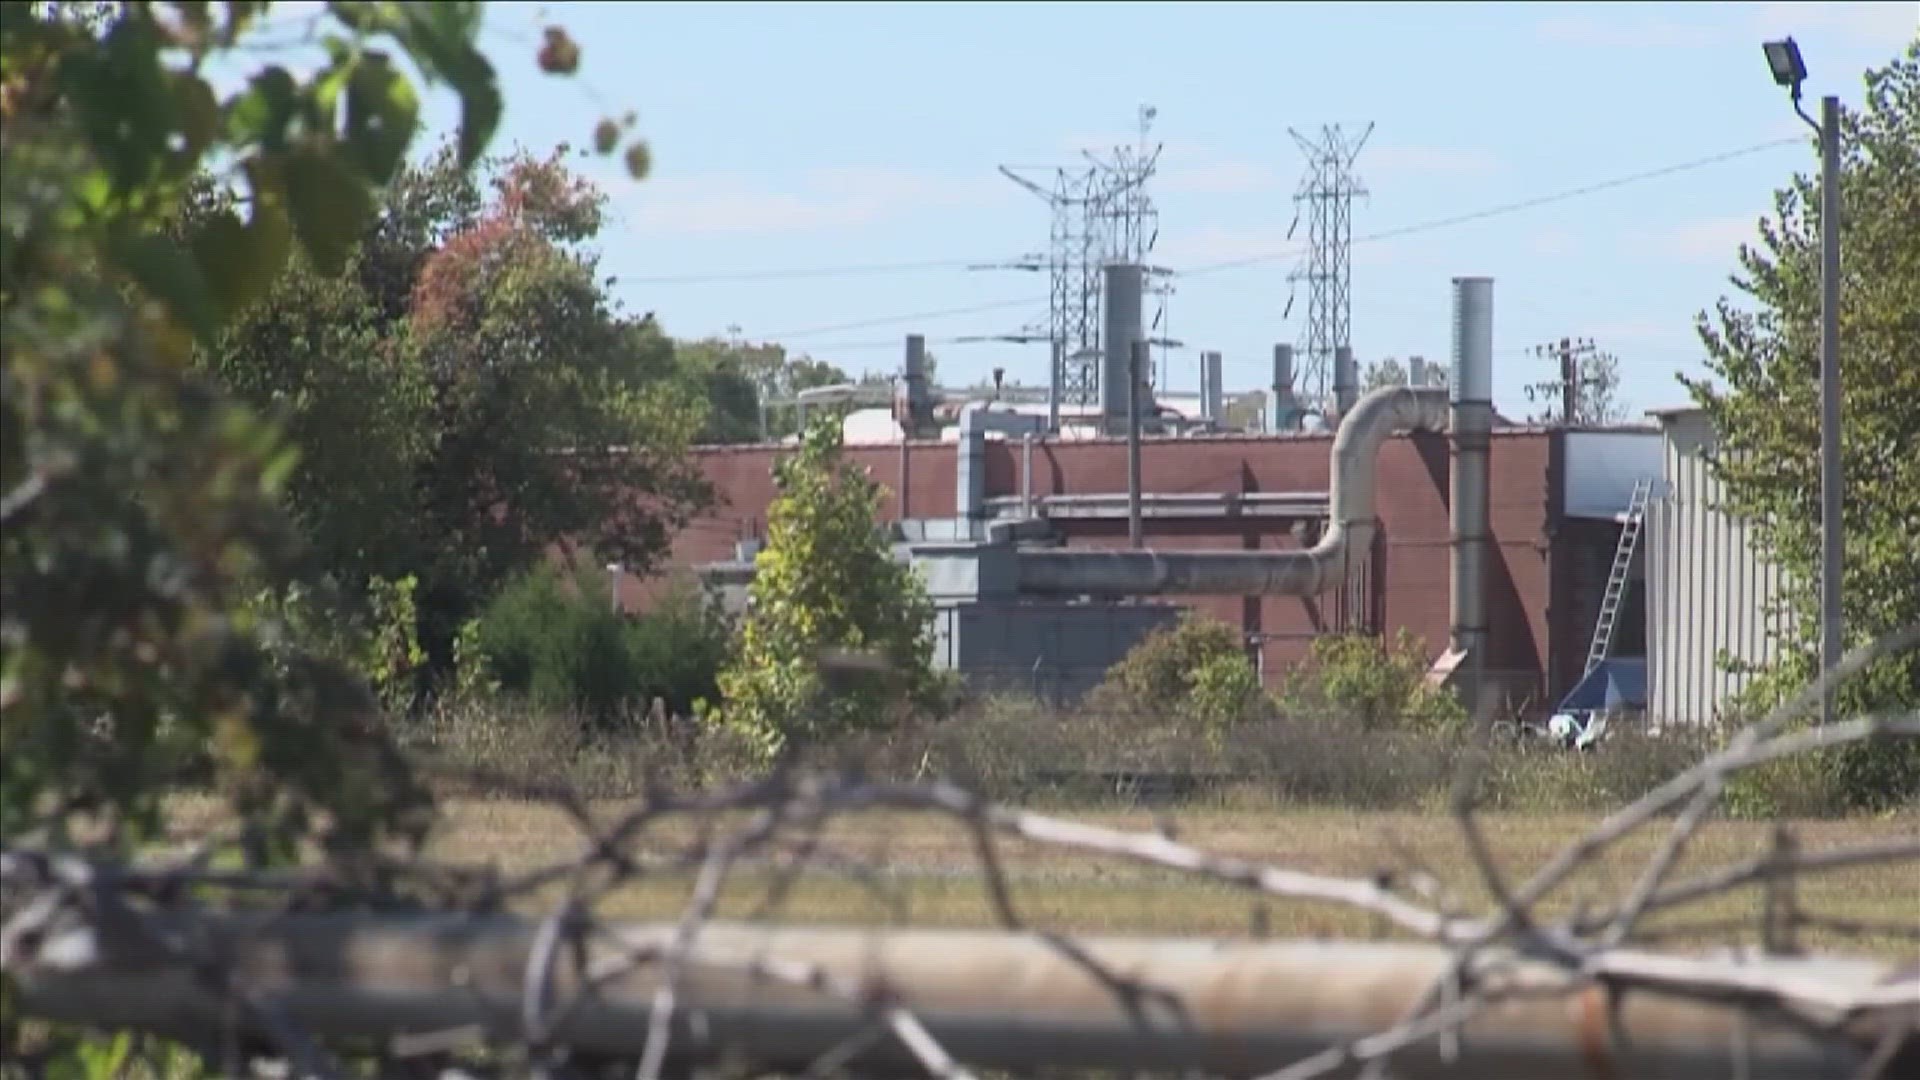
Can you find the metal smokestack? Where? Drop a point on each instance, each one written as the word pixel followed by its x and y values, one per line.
pixel 1285 416
pixel 1471 398
pixel 1416 371
pixel 1212 397
pixel 1121 304
pixel 1346 380
pixel 917 418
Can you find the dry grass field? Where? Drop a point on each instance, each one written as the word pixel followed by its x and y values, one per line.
pixel 923 870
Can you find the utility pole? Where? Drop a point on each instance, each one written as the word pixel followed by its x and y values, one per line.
pixel 1790 71
pixel 1830 480
pixel 1571 355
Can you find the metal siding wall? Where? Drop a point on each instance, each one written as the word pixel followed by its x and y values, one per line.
pixel 1708 588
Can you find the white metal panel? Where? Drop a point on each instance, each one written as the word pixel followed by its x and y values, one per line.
pixel 1603 466
pixel 1709 586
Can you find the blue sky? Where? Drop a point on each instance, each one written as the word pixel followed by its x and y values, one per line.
pixel 801 137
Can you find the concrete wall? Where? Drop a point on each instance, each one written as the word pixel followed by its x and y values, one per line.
pixel 1408 583
pixel 1708 585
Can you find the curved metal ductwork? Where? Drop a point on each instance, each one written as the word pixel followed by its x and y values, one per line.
pixel 1378 416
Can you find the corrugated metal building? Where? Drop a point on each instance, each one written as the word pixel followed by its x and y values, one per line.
pixel 1709 586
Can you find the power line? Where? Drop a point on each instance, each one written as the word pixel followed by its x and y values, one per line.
pixel 890 319
pixel 857 269
pixel 1385 234
pixel 852 270
pixel 1512 207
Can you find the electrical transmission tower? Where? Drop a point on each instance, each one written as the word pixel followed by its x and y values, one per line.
pixel 1131 223
pixel 1076 240
pixel 1099 212
pixel 1327 192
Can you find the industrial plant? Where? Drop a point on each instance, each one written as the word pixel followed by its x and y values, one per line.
pixel 1546 567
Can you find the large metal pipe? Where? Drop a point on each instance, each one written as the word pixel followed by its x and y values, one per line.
pixel 1252 573
pixel 970 452
pixel 1212 398
pixel 1120 307
pixel 1285 416
pixel 1346 380
pixel 1472 401
pixel 776 999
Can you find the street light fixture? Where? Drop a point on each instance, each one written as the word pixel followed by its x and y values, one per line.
pixel 1789 70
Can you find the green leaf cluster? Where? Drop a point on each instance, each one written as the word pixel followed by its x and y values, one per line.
pixel 553 636
pixel 1763 404
pixel 465 396
pixel 1371 683
pixel 827 583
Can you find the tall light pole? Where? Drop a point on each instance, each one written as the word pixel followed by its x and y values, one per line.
pixel 1789 70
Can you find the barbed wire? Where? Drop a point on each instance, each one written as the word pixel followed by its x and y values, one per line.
pixel 427 962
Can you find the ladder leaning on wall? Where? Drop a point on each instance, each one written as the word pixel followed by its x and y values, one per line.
pixel 1615 596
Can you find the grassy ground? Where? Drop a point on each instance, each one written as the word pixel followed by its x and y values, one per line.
pixel 925 870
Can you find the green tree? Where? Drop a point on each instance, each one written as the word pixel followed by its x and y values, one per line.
pixel 554 418
pixel 1382 373
pixel 1764 409
pixel 139 504
pixel 735 377
pixel 827 583
pixel 464 377
pixel 551 634
pixel 1596 400
pixel 1388 371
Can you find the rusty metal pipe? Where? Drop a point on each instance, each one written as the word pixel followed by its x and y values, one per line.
pixel 995 1000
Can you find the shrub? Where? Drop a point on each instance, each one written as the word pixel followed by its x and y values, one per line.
pixel 550 635
pixel 1225 694
pixel 1372 684
pixel 1159 674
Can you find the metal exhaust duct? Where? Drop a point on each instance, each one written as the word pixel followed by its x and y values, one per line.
pixel 1120 304
pixel 1285 416
pixel 916 420
pixel 1472 401
pixel 1253 573
pixel 1346 380
pixel 1211 395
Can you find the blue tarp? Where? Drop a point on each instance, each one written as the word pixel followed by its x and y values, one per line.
pixel 1615 684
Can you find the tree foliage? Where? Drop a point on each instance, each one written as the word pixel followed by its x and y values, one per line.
pixel 1371 683
pixel 736 377
pixel 1765 410
pixel 142 506
pixel 826 584
pixel 1195 671
pixel 553 636
pixel 501 402
pixel 1596 396
pixel 1387 371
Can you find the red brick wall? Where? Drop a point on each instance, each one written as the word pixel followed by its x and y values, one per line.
pixel 1411 487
